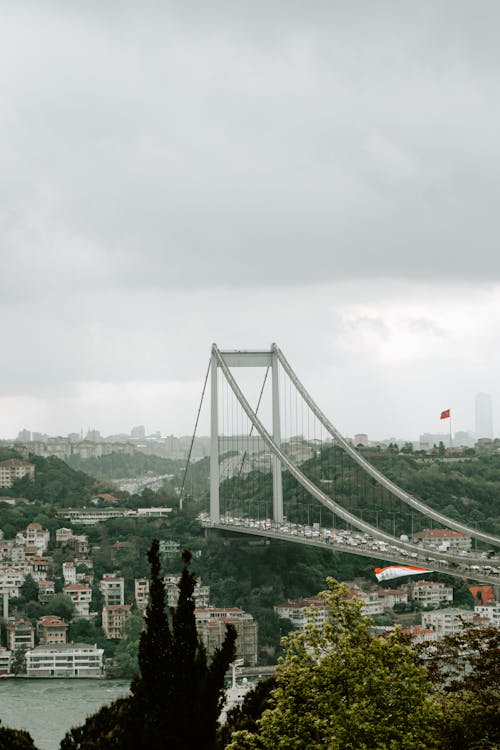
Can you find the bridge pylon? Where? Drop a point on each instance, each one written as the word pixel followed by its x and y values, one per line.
pixel 234 358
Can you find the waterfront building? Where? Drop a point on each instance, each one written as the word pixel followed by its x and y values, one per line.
pixel 65 660
pixel 20 634
pixel 5 659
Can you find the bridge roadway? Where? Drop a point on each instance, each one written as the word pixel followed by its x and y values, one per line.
pixel 473 566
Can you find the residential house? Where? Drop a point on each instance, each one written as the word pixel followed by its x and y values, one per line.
pixel 51 629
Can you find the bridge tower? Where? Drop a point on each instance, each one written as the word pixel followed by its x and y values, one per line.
pixel 267 359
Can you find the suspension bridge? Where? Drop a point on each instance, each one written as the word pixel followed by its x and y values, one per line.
pixel 282 470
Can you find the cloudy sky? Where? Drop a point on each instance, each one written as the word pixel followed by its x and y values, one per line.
pixel 324 175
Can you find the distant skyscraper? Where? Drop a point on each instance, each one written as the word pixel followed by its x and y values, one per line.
pixel 484 417
pixel 138 432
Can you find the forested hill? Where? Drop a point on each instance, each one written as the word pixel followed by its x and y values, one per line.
pixel 121 466
pixel 465 489
pixel 57 484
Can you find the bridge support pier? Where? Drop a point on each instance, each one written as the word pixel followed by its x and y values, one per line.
pixel 244 359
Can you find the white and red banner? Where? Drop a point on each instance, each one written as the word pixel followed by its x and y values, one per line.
pixel 397 571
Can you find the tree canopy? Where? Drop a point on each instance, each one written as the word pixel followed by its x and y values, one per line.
pixel 342 688
pixel 177 697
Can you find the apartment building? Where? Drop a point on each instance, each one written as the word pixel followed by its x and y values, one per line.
pixel 448 621
pixel 113 618
pixel 5 659
pixel 445 539
pixel 489 612
pixel 211 627
pixel 20 634
pixel 141 593
pixel 429 593
pixel 303 612
pixel 13 469
pixel 65 660
pixel 113 589
pixel 201 594
pixel 81 596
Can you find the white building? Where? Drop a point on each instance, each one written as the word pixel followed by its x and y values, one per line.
pixel 69 572
pixel 15 468
pixel 5 657
pixel 113 590
pixel 81 597
pixel 303 612
pixel 65 660
pixel 443 539
pixel 429 593
pixel 36 536
pixel 201 594
pixel 447 621
pixel 490 612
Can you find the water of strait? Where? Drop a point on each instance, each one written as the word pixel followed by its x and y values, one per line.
pixel 48 708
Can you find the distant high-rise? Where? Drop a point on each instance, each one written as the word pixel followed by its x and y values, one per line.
pixel 138 432
pixel 484 416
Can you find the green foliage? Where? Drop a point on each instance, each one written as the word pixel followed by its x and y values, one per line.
pixel 245 717
pixel 465 670
pixel 339 687
pixel 177 697
pixel 62 606
pixel 15 739
pixel 56 483
pixel 18 663
pixel 122 466
pixel 29 589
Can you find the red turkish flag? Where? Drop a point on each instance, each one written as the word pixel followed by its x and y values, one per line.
pixel 445 414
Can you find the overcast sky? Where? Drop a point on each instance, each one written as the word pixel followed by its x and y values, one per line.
pixel 324 175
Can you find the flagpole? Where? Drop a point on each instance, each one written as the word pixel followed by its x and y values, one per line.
pixel 450 432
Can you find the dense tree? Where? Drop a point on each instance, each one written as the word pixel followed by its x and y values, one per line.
pixel 341 688
pixel 177 698
pixel 29 589
pixel 15 739
pixel 465 669
pixel 245 717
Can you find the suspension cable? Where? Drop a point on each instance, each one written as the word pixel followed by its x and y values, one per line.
pixel 194 435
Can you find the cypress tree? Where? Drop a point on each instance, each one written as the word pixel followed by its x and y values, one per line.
pixel 177 698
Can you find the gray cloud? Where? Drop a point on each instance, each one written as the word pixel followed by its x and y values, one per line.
pixel 174 174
